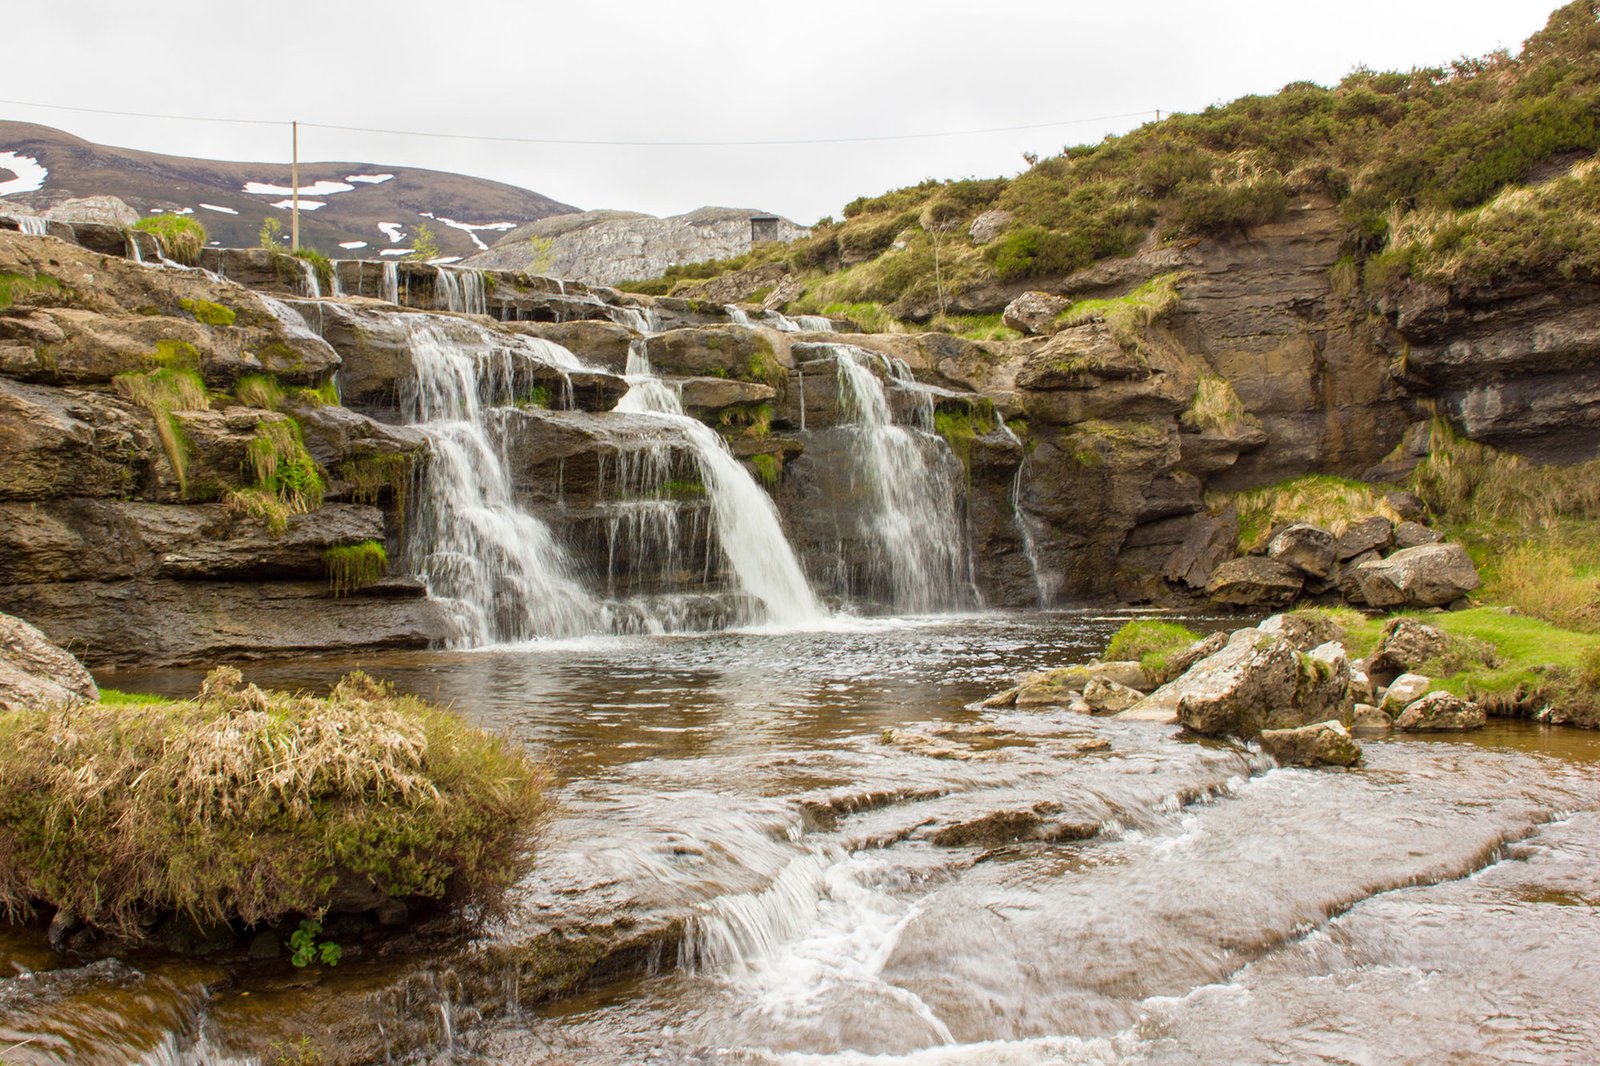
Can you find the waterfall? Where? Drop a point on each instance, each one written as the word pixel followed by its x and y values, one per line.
pixel 499 570
pixel 908 486
pixel 460 290
pixel 736 315
pixel 30 225
pixel 310 287
pixel 391 281
pixel 801 323
pixel 338 285
pixel 645 321
pixel 748 529
pixel 130 242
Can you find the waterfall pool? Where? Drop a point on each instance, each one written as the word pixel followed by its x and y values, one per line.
pixel 812 847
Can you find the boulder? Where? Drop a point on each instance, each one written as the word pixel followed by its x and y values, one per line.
pixel 1369 534
pixel 1431 575
pixel 1061 686
pixel 1034 312
pixel 99 210
pixel 1254 581
pixel 1304 547
pixel 1304 629
pixel 1404 645
pixel 709 351
pixel 1361 686
pixel 36 673
pixel 1414 534
pixel 988 225
pixel 1439 712
pixel 1178 662
pixel 1365 718
pixel 1403 691
pixel 1321 744
pixel 1107 697
pixel 1408 505
pixel 1211 540
pixel 1257 681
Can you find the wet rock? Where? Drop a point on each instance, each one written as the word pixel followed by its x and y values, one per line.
pixel 1404 645
pixel 1403 691
pixel 1415 534
pixel 1439 711
pixel 1304 547
pixel 1211 541
pixel 265 945
pixel 1008 698
pixel 1061 686
pixel 1104 696
pixel 35 673
pixel 1431 575
pixel 997 827
pixel 1253 581
pixel 62 928
pixel 1320 744
pixel 703 395
pixel 709 351
pixel 1369 534
pixel 99 210
pixel 1258 681
pixel 1369 720
pixel 1178 662
pixel 1033 312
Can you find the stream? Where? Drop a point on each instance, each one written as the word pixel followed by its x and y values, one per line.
pixel 820 851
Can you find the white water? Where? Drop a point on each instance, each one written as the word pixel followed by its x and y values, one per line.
pixel 781 322
pixel 30 225
pixel 462 291
pixel 917 551
pixel 391 281
pixel 310 285
pixel 501 573
pixel 338 284
pixel 749 531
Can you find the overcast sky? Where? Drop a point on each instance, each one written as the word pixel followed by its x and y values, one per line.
pixel 719 71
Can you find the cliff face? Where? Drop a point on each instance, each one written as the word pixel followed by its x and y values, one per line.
pixel 605 247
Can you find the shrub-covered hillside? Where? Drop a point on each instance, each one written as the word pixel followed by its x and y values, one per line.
pixel 1422 159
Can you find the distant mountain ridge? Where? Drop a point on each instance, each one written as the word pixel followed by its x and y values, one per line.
pixel 605 247
pixel 346 209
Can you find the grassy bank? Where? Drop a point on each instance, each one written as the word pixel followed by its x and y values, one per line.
pixel 248 806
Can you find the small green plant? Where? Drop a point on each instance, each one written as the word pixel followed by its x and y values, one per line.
pixel 354 566
pixel 282 467
pixel 182 238
pixel 305 948
pixel 756 419
pixel 424 245
pixel 768 468
pixel 321 264
pixel 259 390
pixel 683 489
pixel 370 476
pixel 765 368
pixel 163 392
pixel 537 397
pixel 208 313
pixel 323 395
pixel 302 1052
pixel 270 235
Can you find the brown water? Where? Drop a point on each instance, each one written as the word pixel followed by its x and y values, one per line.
pixel 804 848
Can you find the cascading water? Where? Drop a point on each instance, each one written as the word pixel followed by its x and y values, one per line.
pixel 391 281
pixel 781 322
pixel 460 290
pixel 337 284
pixel 310 285
pixel 30 225
pixel 500 571
pixel 907 491
pixel 749 533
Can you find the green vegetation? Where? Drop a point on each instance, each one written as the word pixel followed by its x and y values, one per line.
pixel 1215 407
pixel 174 355
pixel 305 948
pixel 424 245
pixel 182 238
pixel 536 397
pixel 768 468
pixel 259 390
pixel 1321 500
pixel 372 476
pixel 14 287
pixel 163 392
pixel 543 249
pixel 756 419
pixel 244 805
pixel 321 264
pixel 1126 316
pixel 270 235
pixel 323 395
pixel 282 468
pixel 683 489
pixel 961 427
pixel 354 566
pixel 1412 155
pixel 208 313
pixel 111 697
pixel 1150 642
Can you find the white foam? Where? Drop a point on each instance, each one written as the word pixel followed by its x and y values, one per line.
pixel 369 179
pixel 321 188
pixel 30 175
pixel 352 244
pixel 393 231
pixel 305 205
pixel 215 207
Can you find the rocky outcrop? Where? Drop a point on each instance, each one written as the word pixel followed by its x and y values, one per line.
pixel 35 673
pixel 609 246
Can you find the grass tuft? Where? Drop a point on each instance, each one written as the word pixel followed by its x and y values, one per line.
pixel 182 237
pixel 354 566
pixel 1150 642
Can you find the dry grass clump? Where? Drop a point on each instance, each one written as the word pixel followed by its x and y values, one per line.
pixel 1473 481
pixel 1216 406
pixel 1327 502
pixel 248 805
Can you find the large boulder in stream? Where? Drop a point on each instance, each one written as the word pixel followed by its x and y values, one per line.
pixel 1260 681
pixel 36 673
pixel 1440 712
pixel 1319 744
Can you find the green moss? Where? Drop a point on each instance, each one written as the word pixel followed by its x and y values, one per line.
pixel 323 395
pixel 174 354
pixel 754 418
pixel 371 477
pixel 244 805
pixel 768 468
pixel 764 367
pixel 1150 642
pixel 14 287
pixel 683 489
pixel 182 237
pixel 1127 316
pixel 258 505
pixel 537 397
pixel 208 313
pixel 354 566
pixel 111 697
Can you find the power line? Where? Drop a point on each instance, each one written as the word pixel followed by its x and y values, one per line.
pixel 771 142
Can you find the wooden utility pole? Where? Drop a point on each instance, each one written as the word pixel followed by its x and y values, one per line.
pixel 294 179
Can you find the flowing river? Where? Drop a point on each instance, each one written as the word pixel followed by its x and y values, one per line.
pixel 812 847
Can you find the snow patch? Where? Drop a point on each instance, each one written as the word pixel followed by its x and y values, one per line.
pixel 425 214
pixel 392 231
pixel 395 251
pixel 30 175
pixel 321 188
pixel 352 244
pixel 469 227
pixel 224 210
pixel 444 260
pixel 305 205
pixel 369 179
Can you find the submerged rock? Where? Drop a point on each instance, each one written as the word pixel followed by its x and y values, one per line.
pixel 1320 744
pixel 1439 711
pixel 35 673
